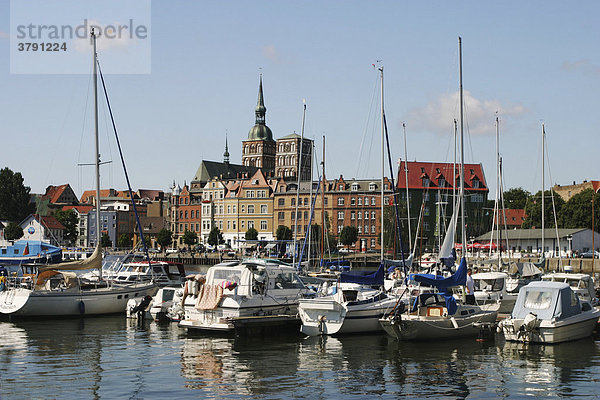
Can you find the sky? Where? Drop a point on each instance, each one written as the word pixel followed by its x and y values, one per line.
pixel 528 63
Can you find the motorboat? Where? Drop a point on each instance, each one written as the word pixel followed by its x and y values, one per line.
pixel 581 284
pixel 353 304
pixel 56 290
pixel 549 312
pixel 431 316
pixel 490 291
pixel 161 272
pixel 29 251
pixel 165 306
pixel 232 290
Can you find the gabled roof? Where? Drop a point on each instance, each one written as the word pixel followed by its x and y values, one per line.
pixel 513 216
pixel 88 195
pixel 418 170
pixel 48 222
pixel 53 193
pixel 225 171
pixel 151 194
pixel 80 209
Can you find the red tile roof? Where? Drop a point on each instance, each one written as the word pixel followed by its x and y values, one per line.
pixel 88 195
pixel 80 209
pixel 435 171
pixel 513 217
pixel 53 193
pixel 49 222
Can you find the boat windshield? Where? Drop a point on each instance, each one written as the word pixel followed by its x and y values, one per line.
pixel 288 280
pixel 490 285
pixel 538 299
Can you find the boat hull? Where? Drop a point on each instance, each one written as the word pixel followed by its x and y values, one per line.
pixel 329 317
pixel 413 327
pixel 24 302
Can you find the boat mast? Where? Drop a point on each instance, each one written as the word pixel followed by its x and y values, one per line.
pixel 498 194
pixel 97 162
pixel 298 173
pixel 323 204
pixel 543 185
pixel 406 181
pixel 462 155
pixel 382 158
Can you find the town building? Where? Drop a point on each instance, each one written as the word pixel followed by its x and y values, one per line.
pixel 431 187
pixel 186 211
pixel 82 221
pixel 568 191
pixel 44 228
pixel 55 198
pixel 556 241
pixel 510 218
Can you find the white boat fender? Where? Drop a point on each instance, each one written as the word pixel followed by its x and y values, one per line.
pixel 454 323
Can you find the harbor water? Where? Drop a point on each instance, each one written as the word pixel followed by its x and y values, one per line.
pixel 111 357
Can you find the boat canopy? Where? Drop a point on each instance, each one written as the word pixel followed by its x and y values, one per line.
pixel 457 279
pixel 547 300
pixel 376 278
pixel 94 261
pixel 528 269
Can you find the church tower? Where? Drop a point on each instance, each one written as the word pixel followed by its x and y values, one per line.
pixel 259 149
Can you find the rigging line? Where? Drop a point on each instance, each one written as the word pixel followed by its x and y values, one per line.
pixel 366 128
pixel 553 207
pixel 83 124
pixel 106 131
pixel 394 193
pixel 137 218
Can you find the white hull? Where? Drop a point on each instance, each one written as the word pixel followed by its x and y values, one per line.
pixel 28 303
pixel 329 317
pixel 573 328
pixel 220 319
pixel 415 327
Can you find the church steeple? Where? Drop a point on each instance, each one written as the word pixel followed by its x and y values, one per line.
pixel 260 109
pixel 226 154
pixel 260 131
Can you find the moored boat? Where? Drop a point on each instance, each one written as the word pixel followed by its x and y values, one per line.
pixel 549 312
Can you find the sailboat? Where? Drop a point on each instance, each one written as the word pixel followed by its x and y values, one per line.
pixel 56 290
pixel 438 315
pixel 355 302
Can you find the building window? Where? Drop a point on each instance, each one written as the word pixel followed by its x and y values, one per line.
pixel 425 182
pixel 228 209
pixel 359 215
pixel 242 224
pixel 250 208
pixel 234 209
pixel 340 227
pixel 360 201
pixel 477 198
pixel 306 215
pixel 372 228
pixel 373 215
pixel 372 187
pixel 366 201
pixel 293 202
pixel 281 202
pixel 228 225
pixel 340 201
pixel 355 187
pixel 250 224
pixel 352 201
pixel 234 225
pixel 373 201
pixel 425 225
pixel 352 215
pixel 341 187
pixel 281 215
pixel 263 209
pixel 372 242
pixel 340 215
pixel 359 229
pixel 263 225
pixel 325 200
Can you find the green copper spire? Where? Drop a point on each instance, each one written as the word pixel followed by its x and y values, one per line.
pixel 226 154
pixel 260 131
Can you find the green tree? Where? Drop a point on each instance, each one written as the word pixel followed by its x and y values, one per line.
pixel 124 241
pixel 533 210
pixel 349 235
pixel 516 198
pixel 577 212
pixel 13 231
pixel 190 238
pixel 68 219
pixel 14 197
pixel 215 237
pixel 390 230
pixel 164 238
pixel 283 233
pixel 251 234
pixel 105 240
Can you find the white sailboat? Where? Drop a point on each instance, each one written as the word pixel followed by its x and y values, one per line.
pixel 56 290
pixel 438 315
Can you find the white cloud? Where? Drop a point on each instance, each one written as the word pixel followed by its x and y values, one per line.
pixel 270 53
pixel 581 65
pixel 438 115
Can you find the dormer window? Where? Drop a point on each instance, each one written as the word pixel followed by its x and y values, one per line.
pixel 355 187
pixel 341 187
pixel 442 182
pixel 476 183
pixel 372 186
pixel 425 182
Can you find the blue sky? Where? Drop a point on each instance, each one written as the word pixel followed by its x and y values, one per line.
pixel 530 61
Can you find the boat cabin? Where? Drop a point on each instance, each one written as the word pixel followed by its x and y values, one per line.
pixel 581 284
pixel 548 301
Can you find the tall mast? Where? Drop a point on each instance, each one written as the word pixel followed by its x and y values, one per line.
pixel 97 162
pixel 406 181
pixel 323 204
pixel 498 192
pixel 382 158
pixel 462 155
pixel 298 173
pixel 543 183
pixel 454 169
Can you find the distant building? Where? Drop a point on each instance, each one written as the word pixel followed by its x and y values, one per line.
pixel 44 228
pixel 431 186
pixel 512 218
pixel 530 240
pixel 82 221
pixel 55 198
pixel 568 191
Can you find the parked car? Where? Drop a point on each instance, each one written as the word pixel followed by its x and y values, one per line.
pixel 346 251
pixel 590 254
pixel 171 251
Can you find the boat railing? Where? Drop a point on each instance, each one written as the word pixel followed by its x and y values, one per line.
pixel 25 281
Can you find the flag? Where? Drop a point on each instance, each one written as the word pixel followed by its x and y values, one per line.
pixel 26 250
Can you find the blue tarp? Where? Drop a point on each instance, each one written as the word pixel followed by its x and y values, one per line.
pixel 376 278
pixel 459 278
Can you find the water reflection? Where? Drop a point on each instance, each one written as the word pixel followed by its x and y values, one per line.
pixel 115 358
